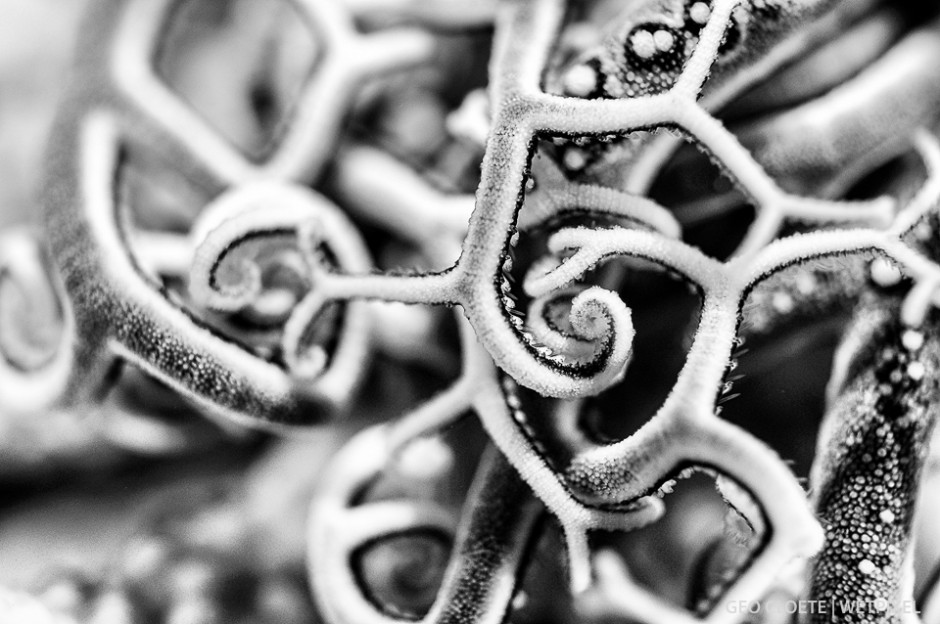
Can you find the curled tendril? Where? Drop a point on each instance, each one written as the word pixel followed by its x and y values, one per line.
pixel 600 328
pixel 522 110
pixel 738 276
pixel 624 470
pixel 237 230
pixel 242 225
pixel 559 349
pixel 627 469
pixel 551 321
pixel 36 330
pixel 121 110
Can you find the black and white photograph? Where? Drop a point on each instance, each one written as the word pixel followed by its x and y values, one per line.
pixel 469 311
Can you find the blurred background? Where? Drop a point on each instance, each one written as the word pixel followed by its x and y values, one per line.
pixel 37 39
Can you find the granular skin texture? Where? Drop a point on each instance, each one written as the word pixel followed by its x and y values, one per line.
pixel 873 448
